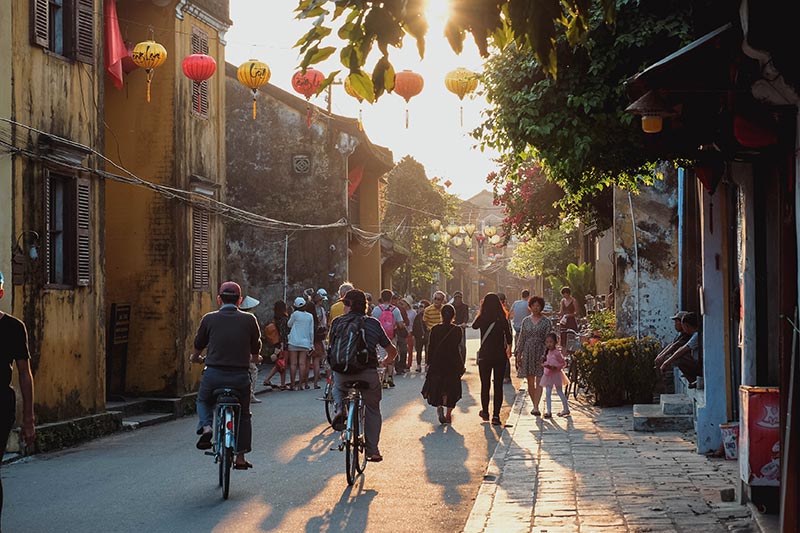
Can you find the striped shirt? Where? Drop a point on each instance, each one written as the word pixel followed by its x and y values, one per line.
pixel 432 316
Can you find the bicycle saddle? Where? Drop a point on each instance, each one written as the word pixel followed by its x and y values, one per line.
pixel 357 384
pixel 225 394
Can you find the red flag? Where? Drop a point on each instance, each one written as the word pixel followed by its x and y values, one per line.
pixel 115 46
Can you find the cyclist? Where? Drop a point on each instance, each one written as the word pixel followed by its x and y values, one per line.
pixel 233 339
pixel 355 304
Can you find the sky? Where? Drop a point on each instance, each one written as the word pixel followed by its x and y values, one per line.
pixel 267 29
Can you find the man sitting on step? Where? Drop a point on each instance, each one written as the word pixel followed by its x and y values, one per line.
pixel 688 358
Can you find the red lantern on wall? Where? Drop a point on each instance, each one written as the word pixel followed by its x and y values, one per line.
pixel 408 84
pixel 198 68
pixel 307 83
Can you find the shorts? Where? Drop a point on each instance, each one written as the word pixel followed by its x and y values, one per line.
pixel 381 353
pixel 293 348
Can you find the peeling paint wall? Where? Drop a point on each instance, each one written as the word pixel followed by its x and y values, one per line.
pixel 263 177
pixel 655 210
pixel 65 324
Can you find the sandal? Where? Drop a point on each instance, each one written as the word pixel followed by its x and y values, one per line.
pixel 242 466
pixel 376 458
pixel 495 420
pixel 536 412
pixel 306 386
pixel 440 414
pixel 563 413
pixel 548 415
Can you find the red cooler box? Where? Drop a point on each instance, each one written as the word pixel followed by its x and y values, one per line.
pixel 759 436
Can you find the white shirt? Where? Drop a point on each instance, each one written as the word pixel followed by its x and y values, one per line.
pixel 302 332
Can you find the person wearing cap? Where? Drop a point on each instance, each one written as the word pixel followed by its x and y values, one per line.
pixel 232 340
pixel 14 349
pixel 337 309
pixel 301 341
pixel 681 338
pixel 355 303
pixel 687 358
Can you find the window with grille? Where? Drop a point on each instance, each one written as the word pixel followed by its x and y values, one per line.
pixel 199 88
pixel 68 204
pixel 64 27
pixel 201 222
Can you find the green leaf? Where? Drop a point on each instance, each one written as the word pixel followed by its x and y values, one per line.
pixel 327 81
pixel 382 77
pixel 362 85
pixel 316 55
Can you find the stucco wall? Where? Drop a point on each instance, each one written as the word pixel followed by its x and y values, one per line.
pixel 148 235
pixel 655 213
pixel 6 218
pixel 65 326
pixel 262 179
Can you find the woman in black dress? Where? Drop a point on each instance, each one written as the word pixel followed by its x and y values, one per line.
pixel 494 352
pixel 445 367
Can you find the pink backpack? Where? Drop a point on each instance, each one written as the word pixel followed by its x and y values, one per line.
pixel 387 320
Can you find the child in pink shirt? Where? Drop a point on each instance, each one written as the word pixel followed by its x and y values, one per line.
pixel 553 376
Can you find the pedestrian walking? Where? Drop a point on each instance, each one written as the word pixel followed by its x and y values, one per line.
pixel 14 349
pixel 569 307
pixel 248 303
pixel 391 320
pixel 530 351
pixel 401 335
pixel 442 387
pixel 519 310
pixel 420 332
pixel 462 321
pixel 407 304
pixel 280 340
pixel 301 341
pixel 554 377
pixel 493 353
pixel 320 334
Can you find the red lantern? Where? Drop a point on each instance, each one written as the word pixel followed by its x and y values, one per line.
pixel 408 84
pixel 128 65
pixel 307 83
pixel 198 68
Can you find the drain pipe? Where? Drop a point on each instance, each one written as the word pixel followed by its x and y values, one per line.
pixel 636 260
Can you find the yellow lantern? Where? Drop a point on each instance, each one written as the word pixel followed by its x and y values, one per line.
pixel 469 229
pixel 149 55
pixel 461 82
pixel 436 224
pixel 457 241
pixel 468 243
pixel 253 74
pixel 452 230
pixel 495 239
pixel 490 231
pixel 445 237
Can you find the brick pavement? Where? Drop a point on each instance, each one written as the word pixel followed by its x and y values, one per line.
pixel 593 473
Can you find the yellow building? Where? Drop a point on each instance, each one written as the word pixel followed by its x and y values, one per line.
pixel 162 255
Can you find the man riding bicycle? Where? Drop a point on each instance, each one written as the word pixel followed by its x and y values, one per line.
pixel 233 339
pixel 355 306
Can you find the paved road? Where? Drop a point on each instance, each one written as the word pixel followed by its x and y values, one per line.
pixel 155 480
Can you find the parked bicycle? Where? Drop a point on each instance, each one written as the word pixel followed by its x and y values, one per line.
pixel 574 344
pixel 226 426
pixel 353 440
pixel 327 397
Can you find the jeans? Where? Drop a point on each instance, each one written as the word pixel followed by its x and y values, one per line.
pixel 8 407
pixel 238 380
pixel 422 345
pixel 372 402
pixel 402 353
pixel 486 369
pixel 548 398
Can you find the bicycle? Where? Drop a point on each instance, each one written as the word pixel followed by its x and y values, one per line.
pixel 226 426
pixel 573 345
pixel 327 397
pixel 353 440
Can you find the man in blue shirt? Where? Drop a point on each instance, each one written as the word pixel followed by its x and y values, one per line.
pixel 688 358
pixel 355 303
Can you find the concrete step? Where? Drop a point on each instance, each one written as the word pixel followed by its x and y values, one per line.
pixel 676 404
pixel 145 419
pixel 128 407
pixel 649 417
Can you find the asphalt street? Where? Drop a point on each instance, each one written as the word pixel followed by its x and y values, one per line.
pixel 154 479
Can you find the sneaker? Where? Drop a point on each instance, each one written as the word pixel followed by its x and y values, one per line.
pixel 253 399
pixel 391 381
pixel 484 415
pixel 204 443
pixel 338 422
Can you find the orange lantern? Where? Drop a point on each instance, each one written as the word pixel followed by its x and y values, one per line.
pixel 408 84
pixel 253 74
pixel 307 83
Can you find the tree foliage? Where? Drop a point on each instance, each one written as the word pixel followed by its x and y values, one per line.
pixel 548 253
pixel 364 24
pixel 575 125
pixel 411 202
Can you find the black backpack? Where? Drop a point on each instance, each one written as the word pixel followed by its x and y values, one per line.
pixel 347 352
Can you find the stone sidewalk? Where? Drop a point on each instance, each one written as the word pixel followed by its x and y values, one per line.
pixel 592 473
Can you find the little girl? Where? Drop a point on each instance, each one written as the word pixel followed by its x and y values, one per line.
pixel 553 376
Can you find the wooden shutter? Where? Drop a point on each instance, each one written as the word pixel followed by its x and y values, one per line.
pixel 40 23
pixel 84 31
pixel 83 234
pixel 201 220
pixel 47 226
pixel 199 89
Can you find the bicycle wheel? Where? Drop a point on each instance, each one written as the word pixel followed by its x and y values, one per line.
pixel 359 440
pixel 351 447
pixel 218 432
pixel 329 401
pixel 227 462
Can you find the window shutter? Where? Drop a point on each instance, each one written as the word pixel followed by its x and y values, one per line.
pixel 200 266
pixel 40 23
pixel 47 226
pixel 199 89
pixel 84 31
pixel 83 218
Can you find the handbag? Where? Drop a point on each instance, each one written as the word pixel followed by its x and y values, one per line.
pixel 484 337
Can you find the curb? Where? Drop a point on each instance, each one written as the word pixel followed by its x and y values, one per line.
pixel 481 508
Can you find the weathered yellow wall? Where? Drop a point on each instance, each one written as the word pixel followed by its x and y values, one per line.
pixel 365 266
pixel 65 326
pixel 149 252
pixel 6 219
